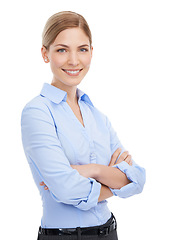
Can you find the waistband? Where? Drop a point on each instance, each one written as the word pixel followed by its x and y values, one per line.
pixel 101 230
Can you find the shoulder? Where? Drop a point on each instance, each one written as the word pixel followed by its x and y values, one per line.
pixel 37 102
pixel 36 106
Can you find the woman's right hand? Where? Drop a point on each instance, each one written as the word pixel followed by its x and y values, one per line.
pixel 125 156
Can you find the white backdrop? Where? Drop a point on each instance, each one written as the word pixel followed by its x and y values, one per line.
pixel 132 80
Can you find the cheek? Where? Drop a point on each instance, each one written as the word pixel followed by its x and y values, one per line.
pixel 57 61
pixel 86 61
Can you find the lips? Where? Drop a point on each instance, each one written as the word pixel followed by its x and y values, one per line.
pixel 72 72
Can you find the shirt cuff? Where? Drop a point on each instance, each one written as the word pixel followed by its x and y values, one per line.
pixel 92 199
pixel 136 175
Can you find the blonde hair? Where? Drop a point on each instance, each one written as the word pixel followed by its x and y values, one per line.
pixel 61 21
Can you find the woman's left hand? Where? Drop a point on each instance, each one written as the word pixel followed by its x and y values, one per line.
pixel 91 170
pixel 43 184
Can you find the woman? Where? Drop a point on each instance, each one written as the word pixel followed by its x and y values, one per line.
pixel 75 156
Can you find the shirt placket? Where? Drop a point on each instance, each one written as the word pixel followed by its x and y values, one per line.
pixel 92 153
pixel 87 132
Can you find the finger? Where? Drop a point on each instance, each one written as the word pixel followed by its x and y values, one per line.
pixel 122 157
pixel 42 183
pixel 129 160
pixel 115 156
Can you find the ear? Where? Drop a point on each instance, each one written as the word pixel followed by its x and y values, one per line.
pixel 44 53
pixel 91 51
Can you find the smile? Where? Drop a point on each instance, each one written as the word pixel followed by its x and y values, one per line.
pixel 72 72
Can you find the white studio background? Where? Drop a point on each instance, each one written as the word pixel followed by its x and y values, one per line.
pixel 132 80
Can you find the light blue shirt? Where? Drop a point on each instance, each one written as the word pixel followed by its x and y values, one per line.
pixel 53 139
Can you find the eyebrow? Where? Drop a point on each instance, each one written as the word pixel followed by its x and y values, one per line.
pixel 63 45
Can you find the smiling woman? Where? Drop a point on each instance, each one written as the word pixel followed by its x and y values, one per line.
pixel 69 56
pixel 75 156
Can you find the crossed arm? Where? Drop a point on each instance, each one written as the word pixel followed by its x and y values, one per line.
pixel 108 176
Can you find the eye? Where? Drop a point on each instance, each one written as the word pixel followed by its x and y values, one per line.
pixel 62 50
pixel 84 50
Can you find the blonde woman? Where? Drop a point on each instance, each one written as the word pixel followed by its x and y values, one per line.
pixel 75 156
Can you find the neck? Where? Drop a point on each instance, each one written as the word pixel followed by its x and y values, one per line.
pixel 71 92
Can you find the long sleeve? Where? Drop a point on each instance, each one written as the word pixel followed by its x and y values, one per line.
pixel 44 150
pixel 134 173
pixel 54 139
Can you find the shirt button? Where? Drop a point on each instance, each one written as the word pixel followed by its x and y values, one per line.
pixel 92 155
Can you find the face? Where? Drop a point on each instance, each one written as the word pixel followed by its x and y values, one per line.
pixel 69 56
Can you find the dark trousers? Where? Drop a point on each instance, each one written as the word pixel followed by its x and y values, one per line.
pixel 111 236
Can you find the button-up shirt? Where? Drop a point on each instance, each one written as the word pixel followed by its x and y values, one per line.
pixel 53 139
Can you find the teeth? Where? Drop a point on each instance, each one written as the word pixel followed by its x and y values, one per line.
pixel 72 72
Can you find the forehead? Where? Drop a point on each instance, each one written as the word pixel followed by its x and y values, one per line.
pixel 72 36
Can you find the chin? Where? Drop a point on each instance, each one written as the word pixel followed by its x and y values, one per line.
pixel 71 82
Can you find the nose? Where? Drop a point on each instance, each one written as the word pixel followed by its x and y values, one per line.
pixel 73 59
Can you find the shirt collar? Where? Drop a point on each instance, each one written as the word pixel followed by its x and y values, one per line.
pixel 57 95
